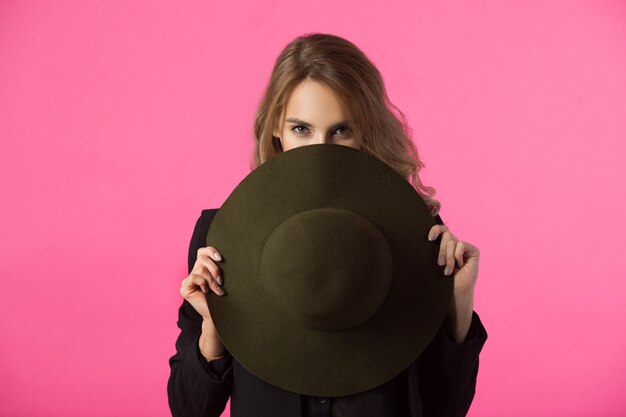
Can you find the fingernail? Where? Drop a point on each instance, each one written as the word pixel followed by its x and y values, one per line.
pixel 218 256
pixel 219 279
pixel 441 261
pixel 431 237
pixel 446 271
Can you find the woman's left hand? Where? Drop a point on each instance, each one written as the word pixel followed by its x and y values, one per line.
pixel 453 253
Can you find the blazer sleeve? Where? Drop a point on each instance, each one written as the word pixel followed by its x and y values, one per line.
pixel 197 387
pixel 447 370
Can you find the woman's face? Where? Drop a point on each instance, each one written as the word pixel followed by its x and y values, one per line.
pixel 313 115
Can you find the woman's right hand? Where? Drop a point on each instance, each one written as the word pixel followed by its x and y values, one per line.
pixel 204 275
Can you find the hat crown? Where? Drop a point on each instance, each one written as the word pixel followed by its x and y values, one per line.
pixel 327 268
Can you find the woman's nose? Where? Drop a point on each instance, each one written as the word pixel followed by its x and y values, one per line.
pixel 323 139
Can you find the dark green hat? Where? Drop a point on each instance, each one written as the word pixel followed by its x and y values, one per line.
pixel 332 287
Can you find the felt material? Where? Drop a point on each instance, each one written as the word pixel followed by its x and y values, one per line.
pixel 327 266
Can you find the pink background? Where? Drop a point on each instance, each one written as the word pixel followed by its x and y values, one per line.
pixel 121 120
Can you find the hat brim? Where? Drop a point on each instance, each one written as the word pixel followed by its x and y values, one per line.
pixel 313 362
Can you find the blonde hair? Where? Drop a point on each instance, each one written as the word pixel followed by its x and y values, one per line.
pixel 359 87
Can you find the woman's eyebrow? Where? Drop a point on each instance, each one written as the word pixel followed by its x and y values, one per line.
pixel 305 124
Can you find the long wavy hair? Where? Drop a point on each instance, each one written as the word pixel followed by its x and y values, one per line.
pixel 379 126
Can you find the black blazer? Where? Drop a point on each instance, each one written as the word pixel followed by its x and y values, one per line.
pixel 440 383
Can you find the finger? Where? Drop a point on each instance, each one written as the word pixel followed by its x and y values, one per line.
pixel 217 289
pixel 211 269
pixel 203 282
pixel 206 257
pixel 189 280
pixel 211 252
pixel 436 230
pixel 450 246
pixel 441 260
pixel 458 253
pixel 198 280
pixel 470 250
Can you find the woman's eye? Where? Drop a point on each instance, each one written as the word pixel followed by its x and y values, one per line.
pixel 343 130
pixel 297 132
pixel 346 130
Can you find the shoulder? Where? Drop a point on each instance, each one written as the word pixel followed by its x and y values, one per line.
pixel 204 220
pixel 207 215
pixel 199 235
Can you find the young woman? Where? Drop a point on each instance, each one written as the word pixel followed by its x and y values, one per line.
pixel 323 89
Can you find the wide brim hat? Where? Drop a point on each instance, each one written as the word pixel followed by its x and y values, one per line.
pixel 332 286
